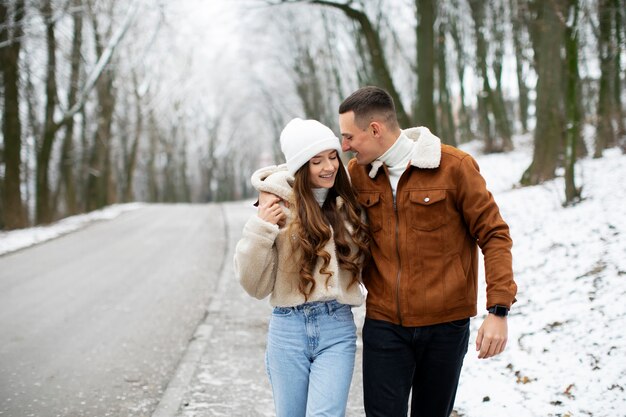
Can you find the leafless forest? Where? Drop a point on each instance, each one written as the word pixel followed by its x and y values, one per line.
pixel 110 101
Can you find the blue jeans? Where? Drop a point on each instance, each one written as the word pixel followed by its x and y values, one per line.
pixel 426 360
pixel 310 358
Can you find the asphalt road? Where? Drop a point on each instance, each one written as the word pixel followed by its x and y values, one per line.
pixel 94 323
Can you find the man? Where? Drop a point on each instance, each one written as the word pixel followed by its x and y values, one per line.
pixel 428 209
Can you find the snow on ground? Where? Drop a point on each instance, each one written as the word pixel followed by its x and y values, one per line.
pixel 18 239
pixel 566 354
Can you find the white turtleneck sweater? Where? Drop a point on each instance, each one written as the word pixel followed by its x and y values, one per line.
pixel 396 159
pixel 320 195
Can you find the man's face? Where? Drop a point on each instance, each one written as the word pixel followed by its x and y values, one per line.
pixel 361 142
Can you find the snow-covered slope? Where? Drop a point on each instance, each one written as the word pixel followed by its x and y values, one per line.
pixel 566 354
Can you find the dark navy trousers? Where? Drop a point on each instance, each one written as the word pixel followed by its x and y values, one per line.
pixel 426 360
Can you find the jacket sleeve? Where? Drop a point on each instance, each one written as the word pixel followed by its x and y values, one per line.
pixel 256 257
pixel 485 224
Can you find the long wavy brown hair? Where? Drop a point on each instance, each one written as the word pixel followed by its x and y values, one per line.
pixel 312 229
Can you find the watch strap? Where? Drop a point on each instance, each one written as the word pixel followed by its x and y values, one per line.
pixel 498 310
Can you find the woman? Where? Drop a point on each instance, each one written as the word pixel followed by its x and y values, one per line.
pixel 305 248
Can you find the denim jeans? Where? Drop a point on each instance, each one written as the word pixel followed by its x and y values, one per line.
pixel 310 358
pixel 426 360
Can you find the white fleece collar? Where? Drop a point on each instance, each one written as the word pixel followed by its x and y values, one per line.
pixel 426 152
pixel 274 179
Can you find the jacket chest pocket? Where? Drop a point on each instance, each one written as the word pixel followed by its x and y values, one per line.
pixel 372 204
pixel 427 209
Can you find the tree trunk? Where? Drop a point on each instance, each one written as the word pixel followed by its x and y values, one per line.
pixel 447 132
pixel 68 178
pixel 309 83
pixel 83 170
pixel 572 193
pixel 99 183
pixel 425 11
pixel 335 67
pixel 184 190
pixel 478 14
pixel 489 106
pixel 13 211
pixel 211 163
pixel 518 27
pixel 619 42
pixel 498 105
pixel 547 43
pixel 152 173
pixel 606 136
pixel 465 130
pixel 44 212
pixel 131 163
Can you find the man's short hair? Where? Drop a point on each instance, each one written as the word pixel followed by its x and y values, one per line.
pixel 368 104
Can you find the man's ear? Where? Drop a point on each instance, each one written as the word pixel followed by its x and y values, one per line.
pixel 376 129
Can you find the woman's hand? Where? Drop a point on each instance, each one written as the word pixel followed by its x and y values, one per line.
pixel 270 210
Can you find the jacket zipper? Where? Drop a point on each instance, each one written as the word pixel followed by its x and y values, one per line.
pixel 395 210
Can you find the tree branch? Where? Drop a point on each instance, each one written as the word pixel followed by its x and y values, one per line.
pixel 103 61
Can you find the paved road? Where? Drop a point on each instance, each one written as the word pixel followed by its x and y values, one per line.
pixel 95 322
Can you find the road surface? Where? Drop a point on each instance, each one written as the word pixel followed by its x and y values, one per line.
pixel 94 323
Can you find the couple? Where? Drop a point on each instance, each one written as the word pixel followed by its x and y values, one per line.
pixel 427 210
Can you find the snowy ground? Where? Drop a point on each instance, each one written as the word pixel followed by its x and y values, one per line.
pixel 19 239
pixel 566 354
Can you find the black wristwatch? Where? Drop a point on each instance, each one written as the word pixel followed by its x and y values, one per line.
pixel 498 310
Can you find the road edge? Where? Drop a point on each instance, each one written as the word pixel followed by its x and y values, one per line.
pixel 172 397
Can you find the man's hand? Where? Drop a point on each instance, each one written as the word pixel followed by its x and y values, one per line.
pixel 270 210
pixel 492 336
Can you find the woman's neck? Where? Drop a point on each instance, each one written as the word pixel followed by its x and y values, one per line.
pixel 320 195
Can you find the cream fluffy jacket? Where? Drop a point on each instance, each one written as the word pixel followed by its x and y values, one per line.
pixel 265 263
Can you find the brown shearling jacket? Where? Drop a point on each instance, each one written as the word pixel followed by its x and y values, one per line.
pixel 424 267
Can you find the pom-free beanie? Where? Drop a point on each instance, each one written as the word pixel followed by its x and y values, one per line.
pixel 301 140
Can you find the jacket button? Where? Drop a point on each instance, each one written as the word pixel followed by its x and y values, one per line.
pixel 426 200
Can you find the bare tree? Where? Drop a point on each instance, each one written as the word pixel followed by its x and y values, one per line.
pixel 11 32
pixel 99 182
pixel 606 135
pixel 620 38
pixel 465 130
pixel 67 179
pixel 426 14
pixel 131 156
pixel 309 68
pixel 519 20
pixel 375 50
pixel 447 129
pixel 548 38
pixel 573 111
pixel 497 135
pixel 44 208
pixel 498 107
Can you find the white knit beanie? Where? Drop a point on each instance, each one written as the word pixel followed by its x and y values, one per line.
pixel 301 140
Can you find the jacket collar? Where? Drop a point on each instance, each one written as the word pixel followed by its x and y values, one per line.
pixel 426 151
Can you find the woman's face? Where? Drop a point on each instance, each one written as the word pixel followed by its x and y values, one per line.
pixel 323 169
